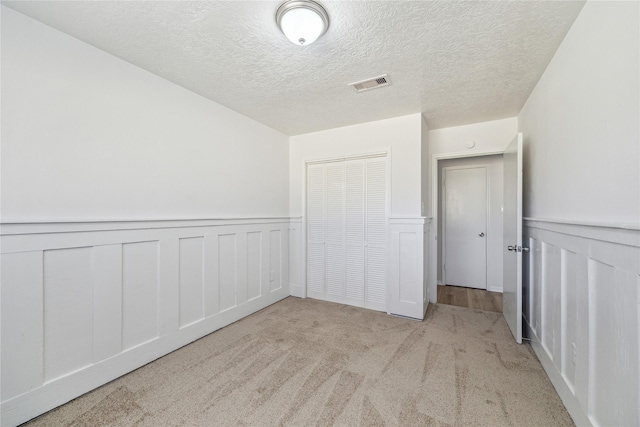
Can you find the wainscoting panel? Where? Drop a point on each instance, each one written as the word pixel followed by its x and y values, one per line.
pixel 226 271
pixel 67 311
pixel 191 280
pixel 22 308
pixel 139 293
pixel 275 258
pixel 406 280
pixel 106 277
pixel 254 264
pixel 582 311
pixel 283 261
pixel 84 303
pixel 296 258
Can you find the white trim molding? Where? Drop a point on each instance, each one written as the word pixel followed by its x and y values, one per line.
pixel 84 303
pixel 9 227
pixel 581 306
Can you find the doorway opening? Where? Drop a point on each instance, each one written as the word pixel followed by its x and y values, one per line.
pixel 469 249
pixel 509 241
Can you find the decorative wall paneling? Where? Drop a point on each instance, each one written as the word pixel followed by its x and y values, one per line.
pixel 84 303
pixel 407 281
pixel 347 205
pixel 581 297
pixel 296 258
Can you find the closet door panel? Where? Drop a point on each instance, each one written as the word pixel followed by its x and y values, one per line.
pixel 355 230
pixel 376 279
pixel 315 271
pixel 347 232
pixel 335 290
pixel 355 275
pixel 376 233
pixel 316 231
pixel 355 202
pixel 335 202
pixel 376 202
pixel 335 231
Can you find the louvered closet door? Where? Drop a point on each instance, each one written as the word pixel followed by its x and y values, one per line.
pixel 354 231
pixel 347 230
pixel 334 232
pixel 315 231
pixel 376 234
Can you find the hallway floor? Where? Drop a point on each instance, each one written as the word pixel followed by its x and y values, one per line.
pixel 470 297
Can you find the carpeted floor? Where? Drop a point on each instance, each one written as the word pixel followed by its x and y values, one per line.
pixel 304 362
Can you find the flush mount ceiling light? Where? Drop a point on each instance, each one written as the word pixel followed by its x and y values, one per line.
pixel 302 21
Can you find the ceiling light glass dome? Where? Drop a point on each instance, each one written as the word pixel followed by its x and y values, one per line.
pixel 302 21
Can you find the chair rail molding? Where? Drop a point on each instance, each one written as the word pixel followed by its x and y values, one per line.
pixel 86 302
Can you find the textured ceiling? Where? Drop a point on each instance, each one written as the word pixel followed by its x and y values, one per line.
pixel 455 62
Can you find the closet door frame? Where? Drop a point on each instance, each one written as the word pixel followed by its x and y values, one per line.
pixel 386 153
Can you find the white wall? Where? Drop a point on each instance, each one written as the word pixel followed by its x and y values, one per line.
pixel 87 136
pixel 494 230
pixel 425 168
pixel 402 135
pixel 581 124
pixel 488 136
pixel 581 128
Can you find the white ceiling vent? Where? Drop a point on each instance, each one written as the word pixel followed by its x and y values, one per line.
pixel 372 83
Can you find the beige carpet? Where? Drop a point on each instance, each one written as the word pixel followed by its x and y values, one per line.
pixel 307 362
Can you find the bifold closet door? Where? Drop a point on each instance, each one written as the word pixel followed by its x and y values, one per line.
pixel 355 231
pixel 346 232
pixel 376 234
pixel 315 231
pixel 334 232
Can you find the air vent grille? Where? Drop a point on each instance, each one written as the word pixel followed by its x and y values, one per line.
pixel 372 83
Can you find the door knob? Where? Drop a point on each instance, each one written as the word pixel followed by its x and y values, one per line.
pixel 481 234
pixel 511 248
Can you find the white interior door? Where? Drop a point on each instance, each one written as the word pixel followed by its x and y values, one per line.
pixel 512 265
pixel 465 227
